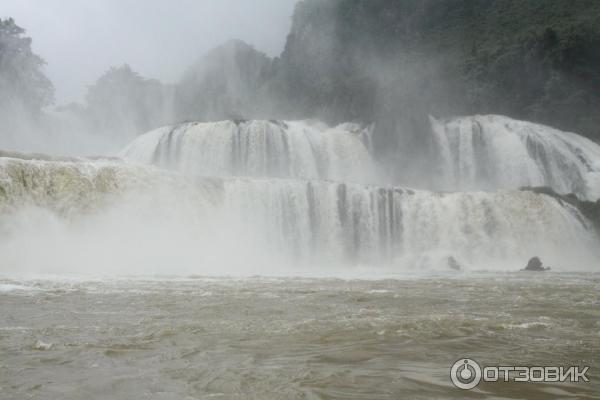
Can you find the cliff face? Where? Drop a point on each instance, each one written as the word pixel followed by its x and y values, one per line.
pixel 317 70
pixel 226 83
pixel 360 59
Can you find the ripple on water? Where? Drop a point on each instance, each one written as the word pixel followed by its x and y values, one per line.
pixel 291 338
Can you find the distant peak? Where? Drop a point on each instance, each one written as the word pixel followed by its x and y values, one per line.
pixel 234 46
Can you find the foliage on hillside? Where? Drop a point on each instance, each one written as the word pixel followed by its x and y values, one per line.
pixel 530 59
pixel 23 85
pixel 122 101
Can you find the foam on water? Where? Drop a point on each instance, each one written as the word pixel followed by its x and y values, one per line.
pixel 10 287
pixel 295 338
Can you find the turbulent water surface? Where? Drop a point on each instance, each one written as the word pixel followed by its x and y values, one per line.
pixel 283 338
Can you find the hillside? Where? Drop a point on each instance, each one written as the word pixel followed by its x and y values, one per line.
pixel 536 59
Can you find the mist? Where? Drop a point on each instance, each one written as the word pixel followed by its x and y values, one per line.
pixel 82 40
pixel 297 93
pixel 155 45
pixel 300 199
pixel 321 117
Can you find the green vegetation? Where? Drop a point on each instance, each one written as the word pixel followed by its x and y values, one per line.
pixel 23 86
pixel 532 59
pixel 122 100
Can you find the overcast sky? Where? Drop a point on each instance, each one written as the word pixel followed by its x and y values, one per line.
pixel 80 39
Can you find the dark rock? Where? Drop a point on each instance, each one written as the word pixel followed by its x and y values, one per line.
pixel 535 264
pixel 453 264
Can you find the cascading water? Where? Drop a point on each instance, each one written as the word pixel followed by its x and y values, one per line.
pixel 494 152
pixel 71 188
pixel 287 149
pixel 367 224
pixel 114 209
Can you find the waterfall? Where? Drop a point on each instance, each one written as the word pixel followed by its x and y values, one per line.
pixel 252 194
pixel 285 149
pixel 373 225
pixel 494 152
pixel 169 217
pixel 72 188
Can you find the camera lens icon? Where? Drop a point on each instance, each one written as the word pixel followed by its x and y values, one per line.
pixel 465 374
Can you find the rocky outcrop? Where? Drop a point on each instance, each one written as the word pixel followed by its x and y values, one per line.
pixel 535 264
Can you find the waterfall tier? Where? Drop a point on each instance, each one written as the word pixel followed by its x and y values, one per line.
pixel 493 153
pixel 308 222
pixel 285 149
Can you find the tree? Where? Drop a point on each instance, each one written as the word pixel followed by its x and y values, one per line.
pixel 22 82
pixel 123 102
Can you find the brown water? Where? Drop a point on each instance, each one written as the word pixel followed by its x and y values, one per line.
pixel 293 338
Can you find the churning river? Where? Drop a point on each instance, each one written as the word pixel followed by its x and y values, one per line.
pixel 294 338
